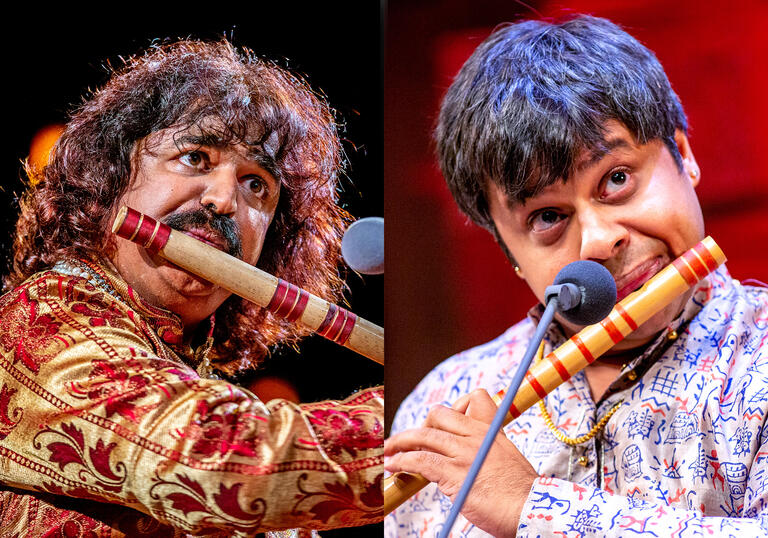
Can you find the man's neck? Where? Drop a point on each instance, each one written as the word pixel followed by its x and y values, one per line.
pixel 601 373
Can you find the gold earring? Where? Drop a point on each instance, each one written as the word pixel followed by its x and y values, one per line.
pixel 694 173
pixel 519 272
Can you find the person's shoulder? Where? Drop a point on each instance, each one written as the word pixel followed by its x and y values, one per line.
pixel 731 326
pixel 741 299
pixel 755 295
pixel 479 367
pixel 58 301
pixel 53 286
pixel 42 285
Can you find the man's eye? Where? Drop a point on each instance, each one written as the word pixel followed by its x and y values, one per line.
pixel 545 220
pixel 195 159
pixel 614 183
pixel 258 186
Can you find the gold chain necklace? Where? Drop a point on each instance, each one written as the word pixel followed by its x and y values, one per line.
pixel 572 441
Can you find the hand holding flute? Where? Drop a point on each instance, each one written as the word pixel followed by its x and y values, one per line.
pixel 504 480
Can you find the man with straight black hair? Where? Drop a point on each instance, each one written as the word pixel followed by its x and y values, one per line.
pixel 567 142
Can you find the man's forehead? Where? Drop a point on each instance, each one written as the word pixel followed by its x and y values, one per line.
pixel 590 157
pixel 615 137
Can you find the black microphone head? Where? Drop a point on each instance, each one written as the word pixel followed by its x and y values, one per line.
pixel 598 291
pixel 362 246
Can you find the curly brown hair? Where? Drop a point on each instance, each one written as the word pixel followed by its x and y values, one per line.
pixel 67 209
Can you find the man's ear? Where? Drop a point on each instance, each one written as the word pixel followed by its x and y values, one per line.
pixel 690 167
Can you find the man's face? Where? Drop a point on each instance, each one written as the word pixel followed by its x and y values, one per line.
pixel 631 210
pixel 216 193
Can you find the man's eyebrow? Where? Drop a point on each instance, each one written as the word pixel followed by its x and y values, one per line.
pixel 266 161
pixel 255 152
pixel 205 139
pixel 605 148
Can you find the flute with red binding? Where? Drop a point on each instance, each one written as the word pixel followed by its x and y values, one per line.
pixel 587 345
pixel 276 295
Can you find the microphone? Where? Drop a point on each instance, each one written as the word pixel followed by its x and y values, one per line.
pixel 584 292
pixel 362 246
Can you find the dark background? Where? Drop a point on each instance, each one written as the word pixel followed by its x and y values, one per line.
pixel 53 58
pixel 450 286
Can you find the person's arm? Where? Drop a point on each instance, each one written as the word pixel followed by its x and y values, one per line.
pixel 91 406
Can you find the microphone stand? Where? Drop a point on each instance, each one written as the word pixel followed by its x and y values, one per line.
pixel 558 297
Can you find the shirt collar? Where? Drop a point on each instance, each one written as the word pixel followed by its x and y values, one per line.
pixel 166 324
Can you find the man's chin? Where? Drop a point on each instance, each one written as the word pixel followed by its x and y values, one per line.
pixel 190 297
pixel 185 283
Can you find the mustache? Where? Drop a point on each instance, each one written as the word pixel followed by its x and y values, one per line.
pixel 223 226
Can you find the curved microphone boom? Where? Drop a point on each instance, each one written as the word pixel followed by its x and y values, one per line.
pixel 584 347
pixel 276 295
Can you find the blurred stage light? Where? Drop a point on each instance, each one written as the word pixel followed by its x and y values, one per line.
pixel 42 144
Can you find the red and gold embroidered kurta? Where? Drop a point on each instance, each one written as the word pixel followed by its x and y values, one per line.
pixel 97 405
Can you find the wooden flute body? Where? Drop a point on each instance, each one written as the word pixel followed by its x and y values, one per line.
pixel 276 295
pixel 591 342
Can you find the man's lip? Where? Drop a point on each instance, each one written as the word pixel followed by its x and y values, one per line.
pixel 638 276
pixel 207 237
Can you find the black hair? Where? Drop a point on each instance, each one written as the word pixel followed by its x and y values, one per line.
pixel 535 94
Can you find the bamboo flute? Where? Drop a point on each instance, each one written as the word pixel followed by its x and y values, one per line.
pixel 276 295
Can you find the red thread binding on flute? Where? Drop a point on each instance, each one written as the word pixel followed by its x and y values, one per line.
pixel 565 375
pixel 626 317
pixel 279 296
pixel 161 238
pixel 612 330
pixel 301 305
pixel 138 227
pixel 146 228
pixel 349 324
pixel 291 295
pixel 535 385
pixel 706 255
pixel 685 272
pixel 330 317
pixel 695 263
pixel 337 326
pixel 128 227
pixel 576 339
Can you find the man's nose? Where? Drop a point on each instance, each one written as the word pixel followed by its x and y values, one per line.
pixel 602 236
pixel 221 191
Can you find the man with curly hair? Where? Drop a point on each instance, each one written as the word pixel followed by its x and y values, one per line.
pixel 111 358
